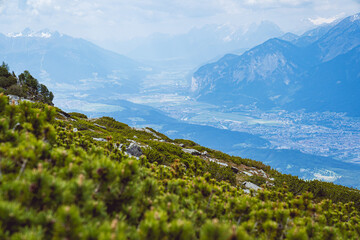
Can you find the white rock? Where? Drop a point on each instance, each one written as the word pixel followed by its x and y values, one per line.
pixel 218 162
pixel 263 173
pixel 100 139
pixel 247 173
pixel 246 191
pixel 191 151
pixel 222 164
pixel 250 185
pixel 205 153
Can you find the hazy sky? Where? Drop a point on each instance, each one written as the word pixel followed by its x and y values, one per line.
pixel 106 20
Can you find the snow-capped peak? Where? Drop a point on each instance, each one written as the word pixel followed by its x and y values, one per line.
pixel 355 17
pixel 14 35
pixel 29 33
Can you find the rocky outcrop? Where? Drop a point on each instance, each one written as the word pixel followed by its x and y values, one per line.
pixel 263 173
pixel 205 154
pixel 17 99
pixel 100 139
pixel 191 151
pixel 250 185
pixel 218 162
pixel 134 150
pixel 247 173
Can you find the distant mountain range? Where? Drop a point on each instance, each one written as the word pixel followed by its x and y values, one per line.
pixel 76 68
pixel 70 66
pixel 318 71
pixel 199 45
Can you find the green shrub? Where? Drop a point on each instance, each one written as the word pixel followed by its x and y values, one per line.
pixel 258 180
pixel 6 82
pixel 15 90
pixel 79 115
pixel 220 173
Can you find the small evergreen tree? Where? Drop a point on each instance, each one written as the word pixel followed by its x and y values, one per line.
pixel 5 66
pixel 31 82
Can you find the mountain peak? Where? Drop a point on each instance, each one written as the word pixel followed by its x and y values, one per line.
pixel 27 32
pixel 289 37
pixel 304 73
pixel 273 44
pixel 355 17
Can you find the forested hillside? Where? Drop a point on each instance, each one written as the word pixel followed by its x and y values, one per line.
pixel 64 176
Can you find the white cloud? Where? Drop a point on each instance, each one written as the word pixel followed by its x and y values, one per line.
pixel 321 20
pixel 277 3
pixel 326 175
pixel 2 5
pixel 116 20
pixel 39 3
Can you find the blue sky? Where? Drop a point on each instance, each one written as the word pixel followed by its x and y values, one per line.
pixel 100 21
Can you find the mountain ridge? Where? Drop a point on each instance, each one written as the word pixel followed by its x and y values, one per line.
pixel 281 62
pixel 45 57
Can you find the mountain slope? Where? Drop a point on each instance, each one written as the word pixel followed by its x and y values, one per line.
pixel 332 86
pixel 61 62
pixel 340 39
pixel 277 73
pixel 312 35
pixel 259 76
pixel 60 178
pixel 305 166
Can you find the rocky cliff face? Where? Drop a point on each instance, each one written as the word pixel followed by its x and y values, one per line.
pixel 265 75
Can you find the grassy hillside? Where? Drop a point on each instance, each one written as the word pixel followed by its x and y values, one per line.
pixel 64 176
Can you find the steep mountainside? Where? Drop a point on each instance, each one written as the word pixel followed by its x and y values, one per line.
pixel 312 35
pixel 278 73
pixel 340 39
pixel 64 176
pixel 332 86
pixel 262 74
